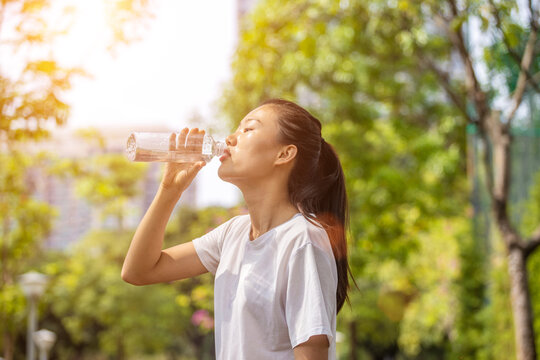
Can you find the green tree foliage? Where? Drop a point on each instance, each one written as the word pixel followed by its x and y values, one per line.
pixel 100 313
pixel 470 290
pixel 23 220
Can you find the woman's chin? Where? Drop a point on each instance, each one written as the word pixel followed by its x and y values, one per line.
pixel 223 174
pixel 229 177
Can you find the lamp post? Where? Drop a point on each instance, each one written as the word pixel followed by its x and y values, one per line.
pixel 33 285
pixel 44 340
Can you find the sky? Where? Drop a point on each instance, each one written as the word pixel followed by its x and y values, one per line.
pixel 177 69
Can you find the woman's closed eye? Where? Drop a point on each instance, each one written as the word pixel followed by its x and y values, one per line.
pixel 246 129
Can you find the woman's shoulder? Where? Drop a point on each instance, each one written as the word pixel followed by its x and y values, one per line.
pixel 303 231
pixel 301 224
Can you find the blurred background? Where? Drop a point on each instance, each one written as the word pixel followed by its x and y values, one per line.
pixel 433 107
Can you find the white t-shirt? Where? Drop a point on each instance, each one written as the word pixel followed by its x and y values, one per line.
pixel 271 293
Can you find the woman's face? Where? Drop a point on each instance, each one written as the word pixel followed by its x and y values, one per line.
pixel 253 147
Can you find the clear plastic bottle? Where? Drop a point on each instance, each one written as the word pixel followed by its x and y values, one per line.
pixel 154 146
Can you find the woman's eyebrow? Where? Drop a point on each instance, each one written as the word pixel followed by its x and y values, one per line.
pixel 250 119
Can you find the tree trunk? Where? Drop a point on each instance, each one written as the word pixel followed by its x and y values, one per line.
pixel 521 305
pixel 501 140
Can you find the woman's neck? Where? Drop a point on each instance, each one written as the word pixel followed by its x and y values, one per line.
pixel 268 206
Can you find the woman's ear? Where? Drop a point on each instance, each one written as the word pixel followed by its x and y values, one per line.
pixel 286 154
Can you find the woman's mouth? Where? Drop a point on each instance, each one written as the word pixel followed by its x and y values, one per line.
pixel 225 155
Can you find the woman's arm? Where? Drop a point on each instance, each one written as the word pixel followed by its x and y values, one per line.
pixel 316 348
pixel 146 262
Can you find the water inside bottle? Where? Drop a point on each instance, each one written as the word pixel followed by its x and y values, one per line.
pixel 160 152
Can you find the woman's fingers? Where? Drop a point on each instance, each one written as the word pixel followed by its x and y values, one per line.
pixel 193 139
pixel 188 140
pixel 172 142
pixel 199 143
pixel 181 140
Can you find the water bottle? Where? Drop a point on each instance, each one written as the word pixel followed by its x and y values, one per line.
pixel 154 146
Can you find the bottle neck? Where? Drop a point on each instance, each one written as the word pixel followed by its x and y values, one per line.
pixel 219 148
pixel 212 147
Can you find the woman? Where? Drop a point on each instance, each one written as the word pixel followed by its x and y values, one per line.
pixel 281 272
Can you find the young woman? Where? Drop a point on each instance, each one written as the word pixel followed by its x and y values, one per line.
pixel 281 272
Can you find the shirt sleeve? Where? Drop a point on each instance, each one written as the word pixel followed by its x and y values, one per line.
pixel 311 294
pixel 209 246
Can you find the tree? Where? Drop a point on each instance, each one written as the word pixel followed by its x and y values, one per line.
pixel 32 85
pixel 501 20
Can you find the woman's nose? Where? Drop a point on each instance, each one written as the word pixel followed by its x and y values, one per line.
pixel 230 140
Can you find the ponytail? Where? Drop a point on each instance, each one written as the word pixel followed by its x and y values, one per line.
pixel 317 183
pixel 332 213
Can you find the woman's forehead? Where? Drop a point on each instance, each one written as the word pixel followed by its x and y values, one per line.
pixel 263 114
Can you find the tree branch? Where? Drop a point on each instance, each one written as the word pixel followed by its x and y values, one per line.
pixel 533 242
pixel 444 78
pixel 454 8
pixel 528 56
pixel 513 54
pixel 501 162
pixel 533 20
pixel 471 80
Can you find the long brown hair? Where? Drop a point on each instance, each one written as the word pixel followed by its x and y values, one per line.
pixel 317 183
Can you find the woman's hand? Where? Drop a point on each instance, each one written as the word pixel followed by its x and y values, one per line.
pixel 178 176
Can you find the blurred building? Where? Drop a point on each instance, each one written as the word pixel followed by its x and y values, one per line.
pixel 75 217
